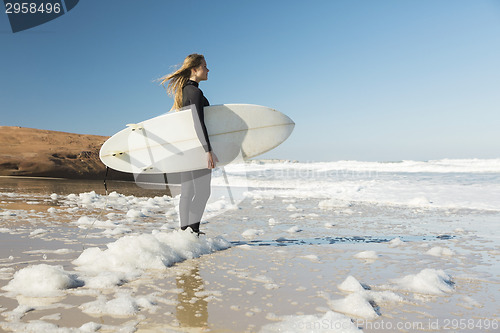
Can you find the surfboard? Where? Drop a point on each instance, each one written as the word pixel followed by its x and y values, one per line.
pixel 169 143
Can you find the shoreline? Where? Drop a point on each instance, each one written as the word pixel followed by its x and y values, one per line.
pixel 32 177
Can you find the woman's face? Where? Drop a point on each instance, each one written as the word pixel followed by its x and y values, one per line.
pixel 200 73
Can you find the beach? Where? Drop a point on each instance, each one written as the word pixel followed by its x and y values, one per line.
pixel 342 246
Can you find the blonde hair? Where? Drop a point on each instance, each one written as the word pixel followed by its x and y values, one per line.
pixel 178 79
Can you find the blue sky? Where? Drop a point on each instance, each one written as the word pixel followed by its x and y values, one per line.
pixel 370 80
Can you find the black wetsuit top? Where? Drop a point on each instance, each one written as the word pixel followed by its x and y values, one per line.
pixel 192 95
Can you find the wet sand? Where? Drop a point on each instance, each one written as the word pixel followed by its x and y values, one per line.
pixel 262 277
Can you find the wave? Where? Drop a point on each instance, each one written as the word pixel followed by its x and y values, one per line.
pixel 431 166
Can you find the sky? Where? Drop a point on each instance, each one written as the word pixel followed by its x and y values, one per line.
pixel 367 80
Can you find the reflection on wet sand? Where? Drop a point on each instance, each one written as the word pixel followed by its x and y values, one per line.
pixel 61 186
pixel 192 310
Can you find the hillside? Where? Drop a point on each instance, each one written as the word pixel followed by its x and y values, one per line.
pixel 42 153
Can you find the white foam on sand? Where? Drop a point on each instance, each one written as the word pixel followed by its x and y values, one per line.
pixel 105 280
pixel 86 221
pixel 360 300
pixel 333 204
pixel 38 232
pixel 272 221
pixel 428 281
pixel 125 259
pixel 351 284
pixel 158 250
pixel 439 251
pixel 7 213
pixel 396 242
pixel 312 257
pixel 355 304
pixel 44 251
pixel 368 255
pixel 122 305
pixel 42 281
pixel 37 326
pixel 250 233
pixel 134 206
pixel 294 229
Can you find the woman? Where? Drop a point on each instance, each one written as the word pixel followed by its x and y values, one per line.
pixel 195 189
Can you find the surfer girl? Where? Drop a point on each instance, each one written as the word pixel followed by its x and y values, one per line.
pixel 183 85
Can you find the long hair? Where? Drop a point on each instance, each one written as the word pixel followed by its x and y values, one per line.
pixel 178 79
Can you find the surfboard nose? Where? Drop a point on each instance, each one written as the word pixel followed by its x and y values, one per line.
pixel 290 125
pixel 287 121
pixel 285 124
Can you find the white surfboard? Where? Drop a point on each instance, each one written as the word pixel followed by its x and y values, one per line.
pixel 169 143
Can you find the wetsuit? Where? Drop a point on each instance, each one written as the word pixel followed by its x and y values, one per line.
pixel 195 189
pixel 192 96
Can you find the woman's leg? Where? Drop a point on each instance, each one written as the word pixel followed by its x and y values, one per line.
pixel 187 194
pixel 201 183
pixel 195 192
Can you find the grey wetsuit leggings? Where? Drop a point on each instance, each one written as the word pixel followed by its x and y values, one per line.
pixel 195 191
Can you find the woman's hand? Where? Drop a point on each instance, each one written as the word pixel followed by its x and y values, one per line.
pixel 212 160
